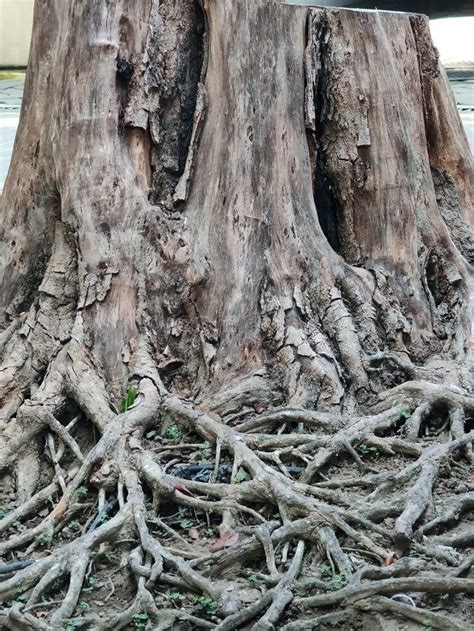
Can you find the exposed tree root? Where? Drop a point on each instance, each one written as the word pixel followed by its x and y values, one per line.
pixel 402 610
pixel 263 308
pixel 293 534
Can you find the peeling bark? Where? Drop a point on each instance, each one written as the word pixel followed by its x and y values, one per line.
pixel 260 216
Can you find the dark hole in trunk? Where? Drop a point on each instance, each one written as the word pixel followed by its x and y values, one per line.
pixel 177 95
pixel 327 211
pixel 326 204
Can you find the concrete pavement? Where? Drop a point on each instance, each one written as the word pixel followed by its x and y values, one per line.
pixel 11 92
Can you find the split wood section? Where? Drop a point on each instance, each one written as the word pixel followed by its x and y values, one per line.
pixel 260 215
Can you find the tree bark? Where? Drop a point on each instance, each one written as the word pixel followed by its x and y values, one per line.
pixel 254 215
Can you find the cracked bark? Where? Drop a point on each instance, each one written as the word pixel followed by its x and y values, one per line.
pixel 261 215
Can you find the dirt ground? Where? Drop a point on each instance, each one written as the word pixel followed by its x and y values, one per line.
pixel 194 535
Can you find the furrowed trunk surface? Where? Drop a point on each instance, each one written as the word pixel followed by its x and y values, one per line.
pixel 236 236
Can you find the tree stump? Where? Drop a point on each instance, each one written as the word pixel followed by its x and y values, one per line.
pixel 238 235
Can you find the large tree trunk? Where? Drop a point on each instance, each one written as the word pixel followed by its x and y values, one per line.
pixel 260 217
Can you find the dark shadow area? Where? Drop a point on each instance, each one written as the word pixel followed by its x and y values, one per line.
pixel 435 8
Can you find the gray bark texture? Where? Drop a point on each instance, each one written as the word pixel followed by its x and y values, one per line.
pixel 236 242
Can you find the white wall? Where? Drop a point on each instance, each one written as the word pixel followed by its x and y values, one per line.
pixel 454 38
pixel 16 19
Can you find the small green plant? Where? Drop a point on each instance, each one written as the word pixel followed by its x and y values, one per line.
pixel 426 625
pixel 140 620
pixel 461 471
pixel 129 399
pixel 84 606
pixel 43 539
pixel 17 525
pixel 103 517
pixel 72 625
pixel 186 524
pixel 241 476
pixel 23 598
pixel 405 414
pixel 82 491
pixel 110 556
pixel 325 570
pixel 74 525
pixel 174 432
pixel 368 450
pixel 209 532
pixel 175 597
pixel 444 596
pixel 93 584
pixel 252 579
pixel 3 510
pixel 338 581
pixel 207 604
pixel 203 453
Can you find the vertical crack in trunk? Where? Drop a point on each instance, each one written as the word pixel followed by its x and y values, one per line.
pixel 177 53
pixel 326 203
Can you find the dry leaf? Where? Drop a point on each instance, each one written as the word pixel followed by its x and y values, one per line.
pixel 41 614
pixel 390 558
pixel 227 539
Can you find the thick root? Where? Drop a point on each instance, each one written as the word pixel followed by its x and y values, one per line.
pixel 280 520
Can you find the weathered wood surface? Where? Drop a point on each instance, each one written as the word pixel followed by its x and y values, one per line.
pixel 246 205
pixel 245 235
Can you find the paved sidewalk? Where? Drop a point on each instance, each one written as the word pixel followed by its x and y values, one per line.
pixel 11 92
pixel 464 93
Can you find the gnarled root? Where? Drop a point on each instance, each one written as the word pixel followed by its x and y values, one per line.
pixel 281 521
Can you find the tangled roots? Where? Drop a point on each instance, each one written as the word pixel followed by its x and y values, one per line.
pixel 286 519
